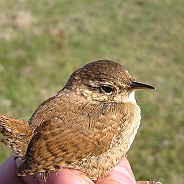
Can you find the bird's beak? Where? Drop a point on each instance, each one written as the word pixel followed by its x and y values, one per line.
pixel 137 85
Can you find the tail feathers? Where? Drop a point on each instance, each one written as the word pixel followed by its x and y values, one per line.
pixel 15 134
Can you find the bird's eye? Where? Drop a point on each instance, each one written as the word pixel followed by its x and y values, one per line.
pixel 107 89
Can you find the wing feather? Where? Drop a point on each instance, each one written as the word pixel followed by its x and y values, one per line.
pixel 59 142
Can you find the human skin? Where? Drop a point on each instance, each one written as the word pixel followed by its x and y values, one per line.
pixel 122 173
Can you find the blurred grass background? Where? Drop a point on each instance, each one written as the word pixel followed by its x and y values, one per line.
pixel 43 42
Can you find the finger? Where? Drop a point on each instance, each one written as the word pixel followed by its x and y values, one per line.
pixel 68 176
pixel 122 173
pixel 64 176
pixel 8 172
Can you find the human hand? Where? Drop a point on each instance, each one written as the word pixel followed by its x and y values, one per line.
pixel 122 173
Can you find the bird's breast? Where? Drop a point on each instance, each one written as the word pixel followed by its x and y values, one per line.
pixel 127 118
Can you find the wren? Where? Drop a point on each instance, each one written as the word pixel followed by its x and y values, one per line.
pixel 89 125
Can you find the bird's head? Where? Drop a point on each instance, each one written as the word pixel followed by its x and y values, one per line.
pixel 105 81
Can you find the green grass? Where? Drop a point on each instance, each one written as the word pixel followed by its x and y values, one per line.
pixel 43 42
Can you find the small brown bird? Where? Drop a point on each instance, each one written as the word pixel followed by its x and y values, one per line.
pixel 89 125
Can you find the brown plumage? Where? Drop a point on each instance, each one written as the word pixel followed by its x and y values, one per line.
pixel 88 125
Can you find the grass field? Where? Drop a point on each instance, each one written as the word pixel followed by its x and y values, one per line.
pixel 43 42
